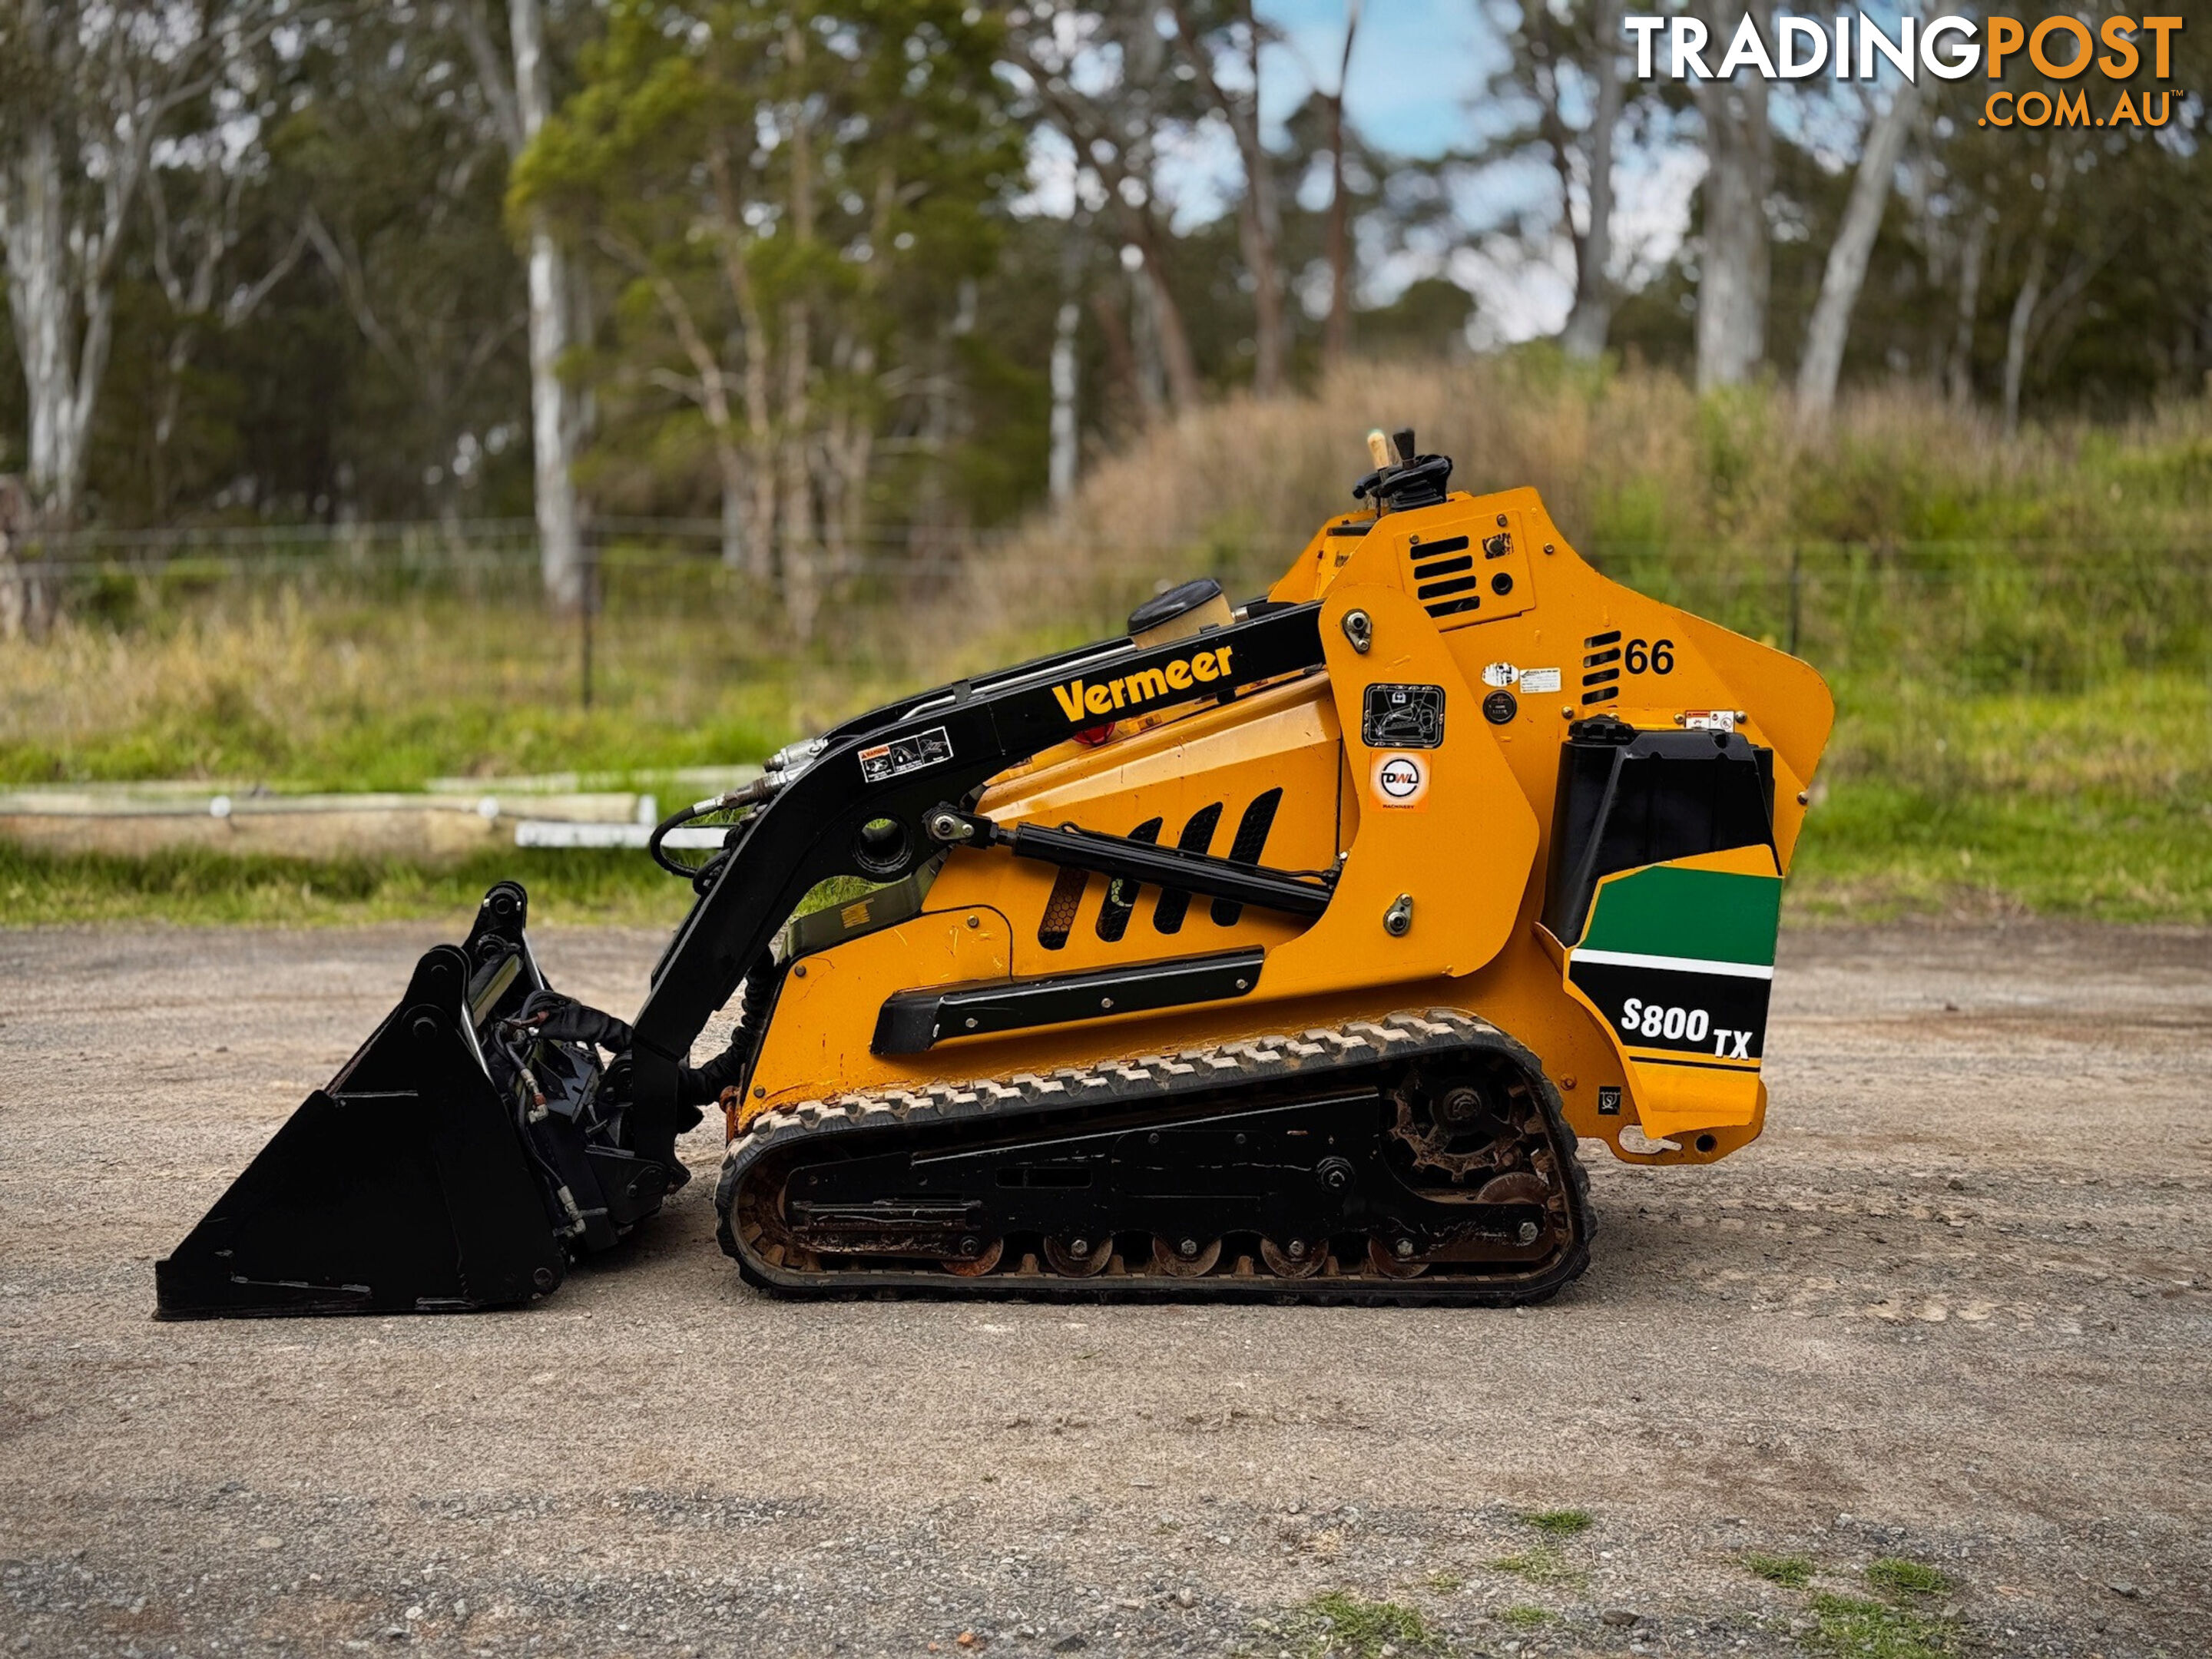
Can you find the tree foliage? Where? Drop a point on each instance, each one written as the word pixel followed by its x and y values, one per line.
pixel 818 253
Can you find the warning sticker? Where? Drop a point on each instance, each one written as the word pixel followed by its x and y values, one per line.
pixel 1401 780
pixel 1538 682
pixel 885 760
pixel 1500 673
pixel 1709 719
pixel 1403 717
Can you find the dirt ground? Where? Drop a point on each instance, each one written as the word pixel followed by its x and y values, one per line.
pixel 1952 1309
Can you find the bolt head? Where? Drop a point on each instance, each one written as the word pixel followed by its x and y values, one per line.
pixel 1079 1247
pixel 1189 1247
pixel 1528 1230
pixel 1297 1250
pixel 1405 1249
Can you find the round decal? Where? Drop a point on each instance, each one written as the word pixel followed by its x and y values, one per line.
pixel 1400 779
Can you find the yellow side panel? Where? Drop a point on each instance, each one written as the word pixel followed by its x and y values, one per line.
pixel 826 1013
pixel 1463 852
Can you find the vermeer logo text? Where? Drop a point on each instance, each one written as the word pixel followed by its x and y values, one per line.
pixel 1079 699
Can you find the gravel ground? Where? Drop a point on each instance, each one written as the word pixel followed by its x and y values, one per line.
pixel 1953 1308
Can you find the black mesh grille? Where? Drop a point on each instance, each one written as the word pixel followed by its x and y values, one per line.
pixel 1197 836
pixel 1251 840
pixel 1121 893
pixel 1060 909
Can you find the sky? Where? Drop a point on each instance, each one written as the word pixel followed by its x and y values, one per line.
pixel 1418 68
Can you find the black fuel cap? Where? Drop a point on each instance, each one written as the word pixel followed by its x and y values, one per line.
pixel 1163 608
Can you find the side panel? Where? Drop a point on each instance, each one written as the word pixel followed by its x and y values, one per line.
pixel 1677 963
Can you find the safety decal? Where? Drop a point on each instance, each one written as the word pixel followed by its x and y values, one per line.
pixel 1401 780
pixel 1608 1102
pixel 1500 673
pixel 1403 717
pixel 1680 961
pixel 901 756
pixel 1539 682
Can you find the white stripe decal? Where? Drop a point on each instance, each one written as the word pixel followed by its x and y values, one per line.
pixel 1676 964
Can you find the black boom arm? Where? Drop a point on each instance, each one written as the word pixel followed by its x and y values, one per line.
pixel 885 772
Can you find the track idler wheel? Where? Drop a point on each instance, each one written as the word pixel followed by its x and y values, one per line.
pixel 1396 1257
pixel 974 1264
pixel 1079 1258
pixel 1185 1258
pixel 1301 1258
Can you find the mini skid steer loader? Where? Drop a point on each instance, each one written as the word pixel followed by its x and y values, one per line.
pixel 1284 949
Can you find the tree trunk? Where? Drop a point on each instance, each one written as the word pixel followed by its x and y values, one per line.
pixel 2030 293
pixel 1848 255
pixel 58 376
pixel 802 594
pixel 1061 470
pixel 554 424
pixel 1178 368
pixel 1970 296
pixel 1336 343
pixel 1259 222
pixel 1732 287
pixel 1591 319
pixel 737 489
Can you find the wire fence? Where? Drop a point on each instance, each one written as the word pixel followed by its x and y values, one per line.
pixel 2035 612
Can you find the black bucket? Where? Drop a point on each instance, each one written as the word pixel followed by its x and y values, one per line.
pixel 417 1181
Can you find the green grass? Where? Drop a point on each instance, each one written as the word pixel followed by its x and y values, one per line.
pixel 194 886
pixel 1353 1627
pixel 1851 1627
pixel 1899 1577
pixel 1559 1524
pixel 1542 1563
pixel 1790 1572
pixel 1875 850
pixel 1524 1617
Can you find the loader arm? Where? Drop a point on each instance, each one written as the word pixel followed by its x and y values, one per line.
pixel 897 765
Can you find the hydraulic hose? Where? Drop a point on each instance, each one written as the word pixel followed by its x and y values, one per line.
pixel 759 792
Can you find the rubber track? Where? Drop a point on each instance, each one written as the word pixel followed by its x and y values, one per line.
pixel 1325 1055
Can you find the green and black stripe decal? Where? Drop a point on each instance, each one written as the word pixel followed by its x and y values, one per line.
pixel 1680 961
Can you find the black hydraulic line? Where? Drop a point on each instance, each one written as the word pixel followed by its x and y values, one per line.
pixel 1167 866
pixel 759 790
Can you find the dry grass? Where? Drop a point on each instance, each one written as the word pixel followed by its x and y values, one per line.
pixel 2020 635
pixel 1900 499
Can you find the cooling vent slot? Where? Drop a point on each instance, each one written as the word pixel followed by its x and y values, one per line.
pixel 1121 893
pixel 1440 583
pixel 1197 836
pixel 1251 840
pixel 1601 649
pixel 1060 909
